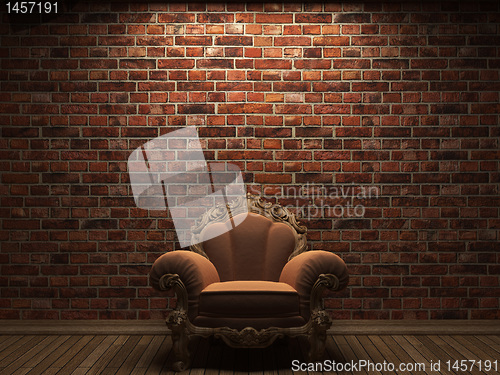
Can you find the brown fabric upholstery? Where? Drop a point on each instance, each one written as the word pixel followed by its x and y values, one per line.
pixel 256 249
pixel 194 270
pixel 257 323
pixel 244 302
pixel 302 272
pixel 249 299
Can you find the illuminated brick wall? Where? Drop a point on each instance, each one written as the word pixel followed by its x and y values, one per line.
pixel 402 98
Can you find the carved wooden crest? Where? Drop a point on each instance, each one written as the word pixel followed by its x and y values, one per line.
pixel 254 204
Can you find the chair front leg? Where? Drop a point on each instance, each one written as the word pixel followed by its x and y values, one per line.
pixel 176 321
pixel 321 322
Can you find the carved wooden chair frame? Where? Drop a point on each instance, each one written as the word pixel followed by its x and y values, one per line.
pixel 181 327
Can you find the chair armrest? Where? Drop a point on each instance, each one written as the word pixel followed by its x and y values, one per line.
pixel 304 270
pixel 190 272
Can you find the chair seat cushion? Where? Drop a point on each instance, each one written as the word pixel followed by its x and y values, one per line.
pixel 249 299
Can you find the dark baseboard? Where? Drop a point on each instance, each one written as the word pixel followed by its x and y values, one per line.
pixel 339 327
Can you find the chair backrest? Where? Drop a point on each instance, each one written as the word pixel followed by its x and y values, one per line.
pixel 256 249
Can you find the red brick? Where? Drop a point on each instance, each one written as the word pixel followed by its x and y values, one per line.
pixel 291 86
pixel 313 18
pixel 20 64
pixel 292 41
pixel 273 178
pixel 234 40
pixel 312 64
pixel 331 86
pixel 350 64
pixel 116 41
pixel 195 86
pixel 352 18
pixel 19 270
pixel 245 108
pixel 234 86
pixel 332 109
pixel 273 64
pixel 137 64
pixel 158 41
pixel 331 41
pixel 193 40
pixel 216 18
pixel 215 64
pixel 196 108
pixel 176 17
pixel 274 18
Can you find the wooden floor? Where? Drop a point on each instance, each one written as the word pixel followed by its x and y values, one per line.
pixel 152 354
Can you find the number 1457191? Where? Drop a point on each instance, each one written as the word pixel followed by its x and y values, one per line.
pixel 467 365
pixel 31 7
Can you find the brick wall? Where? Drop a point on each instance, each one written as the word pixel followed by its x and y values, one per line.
pixel 399 97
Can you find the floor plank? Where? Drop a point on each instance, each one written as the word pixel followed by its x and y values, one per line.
pixel 98 352
pixel 485 352
pixel 294 351
pixel 495 338
pixel 45 358
pixel 72 351
pixel 438 352
pixel 458 354
pixel 491 343
pixel 335 350
pixel 130 363
pixel 17 346
pixel 282 356
pixel 214 358
pixel 21 371
pixel 472 352
pixel 51 371
pixel 80 356
pixel 400 352
pixel 107 356
pixel 4 340
pixel 124 352
pixel 372 350
pixel 199 361
pixel 153 354
pixel 358 350
pixel 16 360
pixel 270 359
pixel 149 353
pixel 413 349
pixel 227 360
pixel 386 354
pixel 163 358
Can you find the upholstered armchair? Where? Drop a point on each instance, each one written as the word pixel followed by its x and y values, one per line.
pixel 251 284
